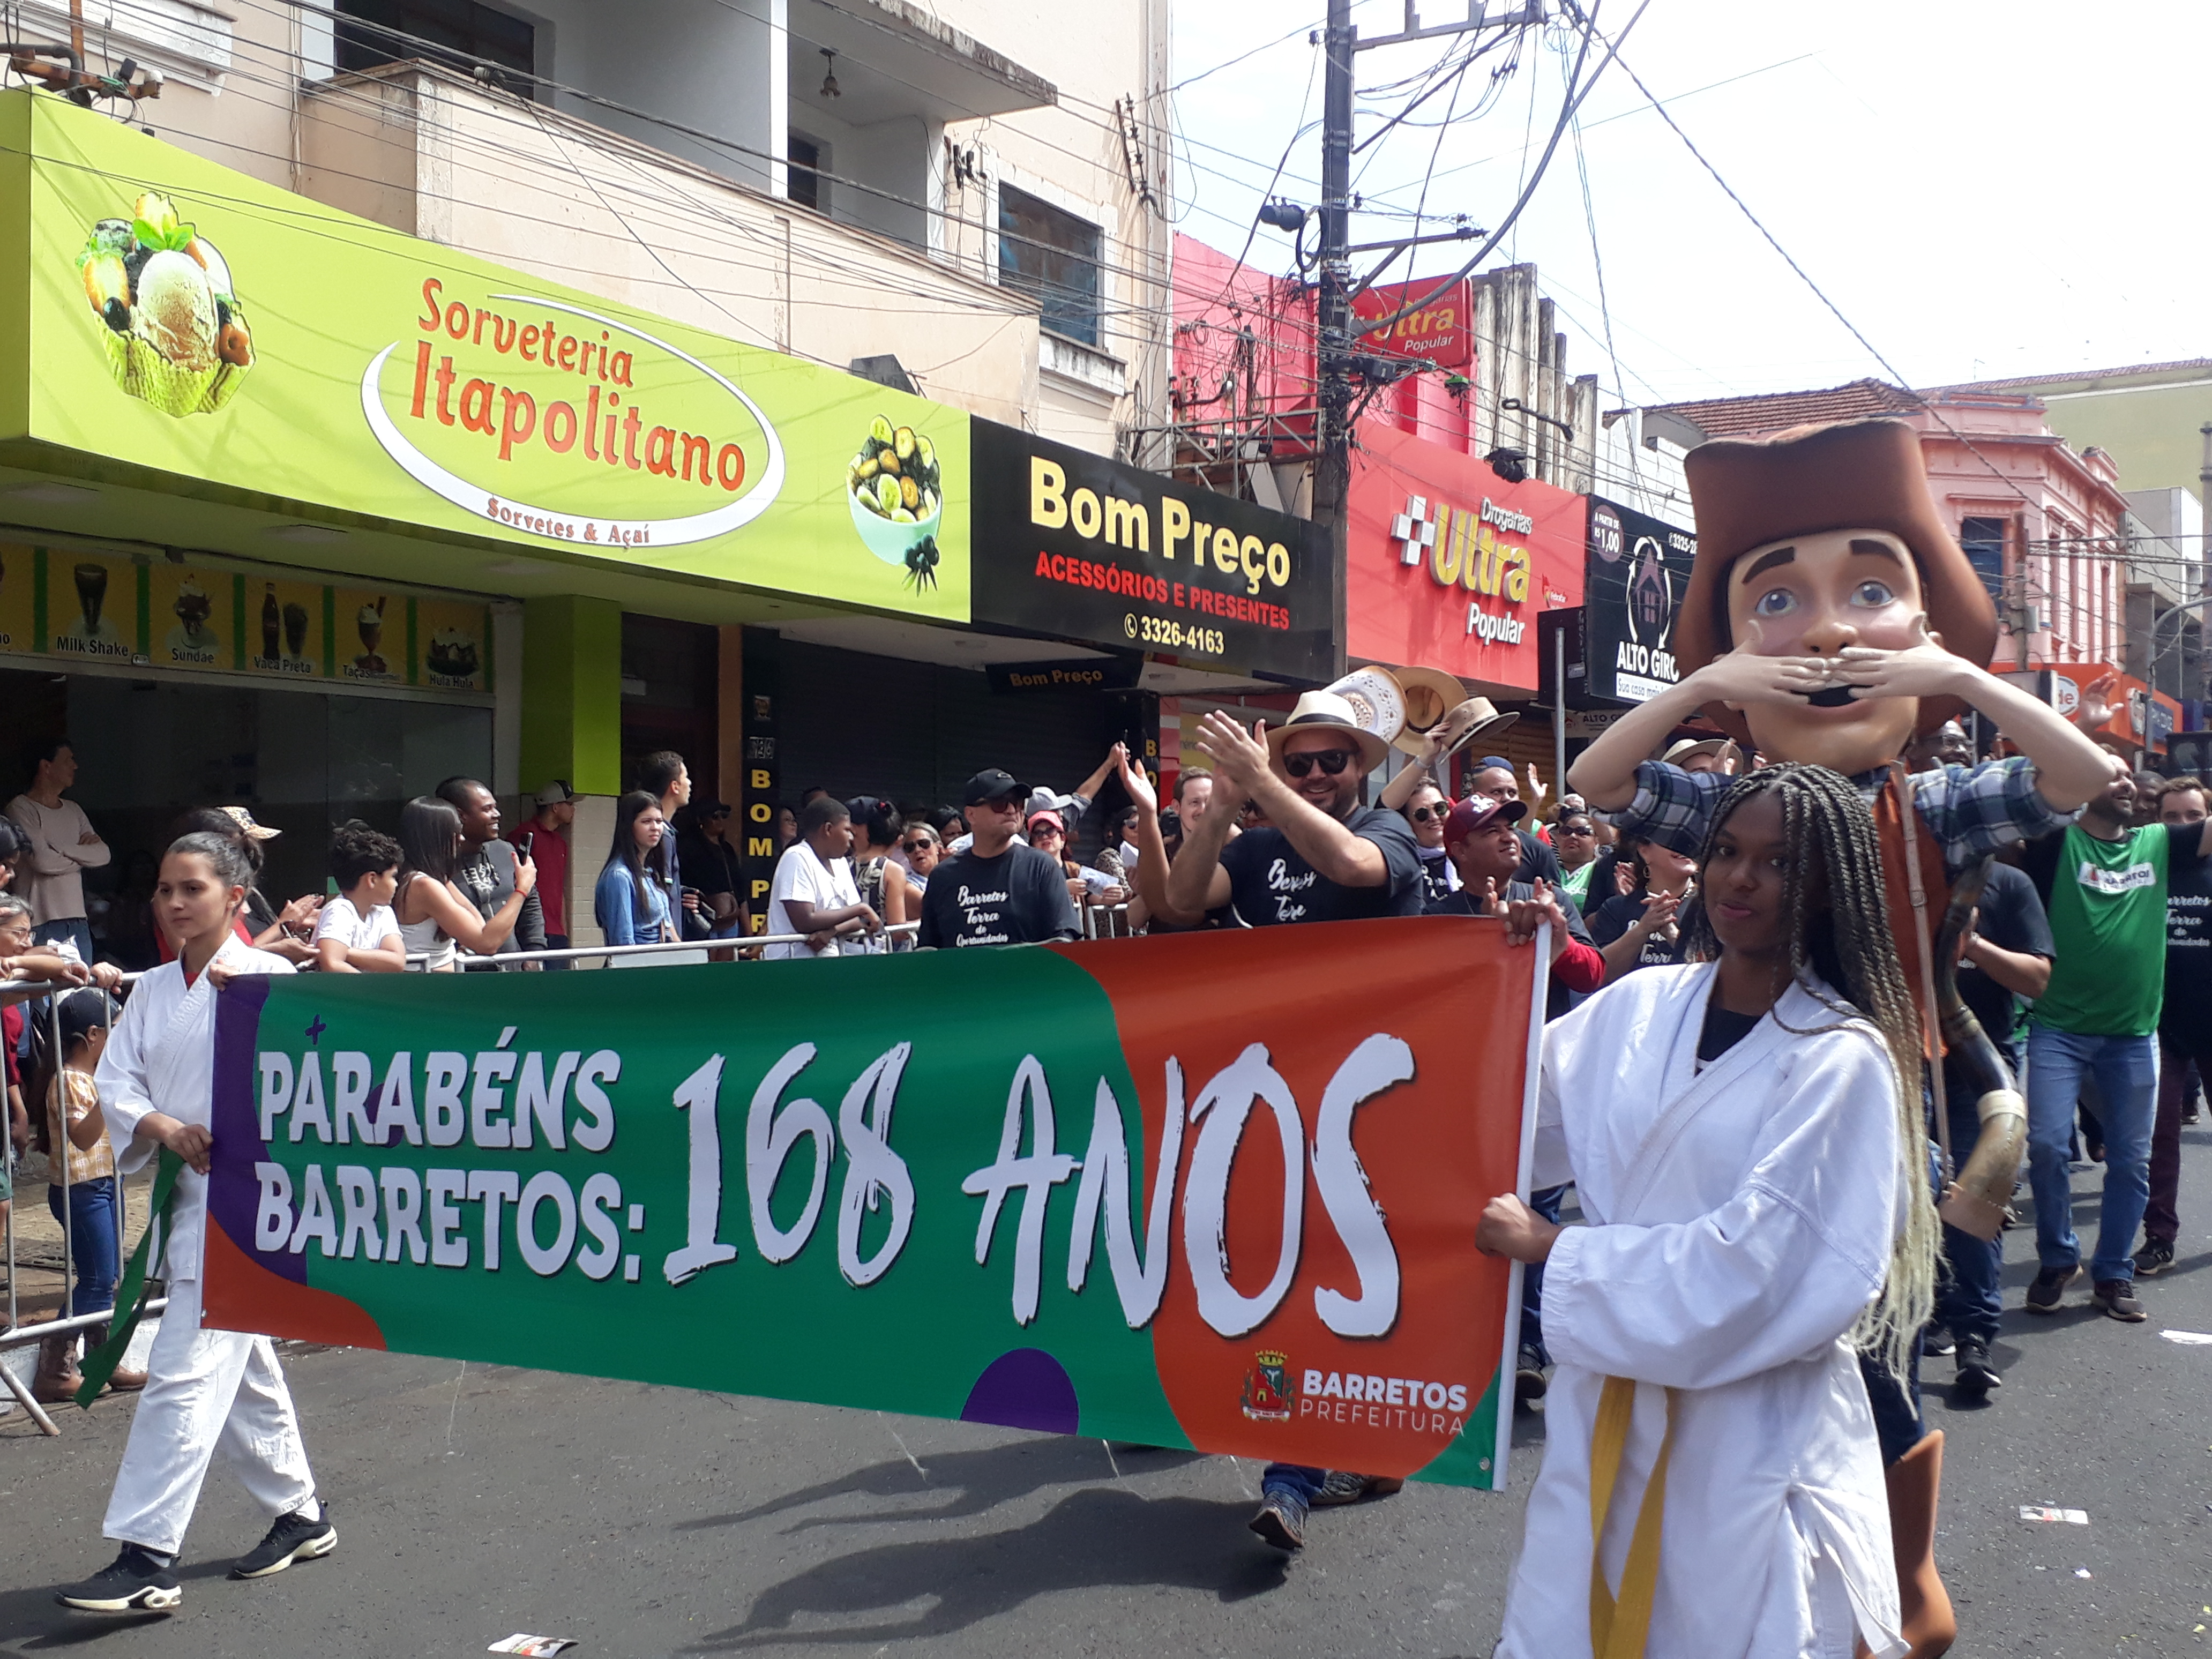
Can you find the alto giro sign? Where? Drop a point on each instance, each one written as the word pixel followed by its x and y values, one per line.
pixel 1638 571
pixel 1449 565
pixel 191 323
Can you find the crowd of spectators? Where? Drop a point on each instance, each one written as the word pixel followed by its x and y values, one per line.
pixel 2102 987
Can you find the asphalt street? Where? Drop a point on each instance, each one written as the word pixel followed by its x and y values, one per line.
pixel 476 1502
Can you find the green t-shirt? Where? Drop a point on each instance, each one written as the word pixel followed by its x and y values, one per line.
pixel 2108 923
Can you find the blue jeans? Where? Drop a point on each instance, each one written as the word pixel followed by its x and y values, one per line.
pixel 2125 1069
pixel 95 1229
pixel 74 928
pixel 1295 1479
pixel 1546 1202
pixel 1967 1296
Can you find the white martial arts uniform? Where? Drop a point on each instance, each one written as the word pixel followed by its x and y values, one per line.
pixel 1741 1218
pixel 205 1390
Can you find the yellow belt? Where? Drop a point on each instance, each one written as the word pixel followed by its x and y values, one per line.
pixel 1619 1626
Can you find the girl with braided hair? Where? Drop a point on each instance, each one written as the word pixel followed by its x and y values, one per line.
pixel 1745 1131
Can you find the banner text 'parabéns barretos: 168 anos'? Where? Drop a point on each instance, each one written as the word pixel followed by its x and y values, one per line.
pixel 1216 1190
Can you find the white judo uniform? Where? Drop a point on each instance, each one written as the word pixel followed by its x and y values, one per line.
pixel 1741 1218
pixel 206 1391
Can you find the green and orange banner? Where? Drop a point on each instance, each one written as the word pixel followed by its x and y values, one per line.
pixel 1216 1190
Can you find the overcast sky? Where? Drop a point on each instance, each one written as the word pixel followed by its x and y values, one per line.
pixel 1984 189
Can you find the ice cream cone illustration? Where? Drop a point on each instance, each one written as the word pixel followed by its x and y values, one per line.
pixel 175 334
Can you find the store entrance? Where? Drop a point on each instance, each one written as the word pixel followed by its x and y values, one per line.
pixel 299 761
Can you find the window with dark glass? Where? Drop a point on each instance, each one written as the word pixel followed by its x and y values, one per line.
pixel 1982 540
pixel 803 169
pixel 460 35
pixel 1052 257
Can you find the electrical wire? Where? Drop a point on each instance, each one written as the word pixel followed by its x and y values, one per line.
pixel 1817 292
pixel 1579 89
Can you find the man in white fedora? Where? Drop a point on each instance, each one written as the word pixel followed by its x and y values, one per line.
pixel 1321 856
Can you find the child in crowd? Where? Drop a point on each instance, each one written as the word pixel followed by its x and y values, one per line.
pixel 359 932
pixel 94 1201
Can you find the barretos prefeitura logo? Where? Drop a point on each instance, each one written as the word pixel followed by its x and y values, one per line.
pixel 557 420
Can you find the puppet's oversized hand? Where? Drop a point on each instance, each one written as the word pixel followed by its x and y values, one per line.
pixel 1922 669
pixel 1741 678
pixel 1509 1228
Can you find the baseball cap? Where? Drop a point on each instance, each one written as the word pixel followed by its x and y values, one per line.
pixel 244 820
pixel 556 793
pixel 1479 812
pixel 712 809
pixel 1046 815
pixel 992 783
pixel 1489 761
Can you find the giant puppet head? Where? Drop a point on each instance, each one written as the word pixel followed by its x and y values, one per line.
pixel 1817 539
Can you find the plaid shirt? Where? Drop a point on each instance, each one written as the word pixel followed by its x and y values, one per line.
pixel 1969 810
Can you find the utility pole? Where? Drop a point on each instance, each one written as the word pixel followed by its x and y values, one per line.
pixel 1333 352
pixel 1333 345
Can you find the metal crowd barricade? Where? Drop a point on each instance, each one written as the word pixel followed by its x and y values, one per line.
pixel 1107 921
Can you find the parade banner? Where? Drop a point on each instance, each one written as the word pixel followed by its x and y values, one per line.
pixel 1215 1190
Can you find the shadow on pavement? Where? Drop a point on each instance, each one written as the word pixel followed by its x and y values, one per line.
pixel 1093 1538
pixel 969 1482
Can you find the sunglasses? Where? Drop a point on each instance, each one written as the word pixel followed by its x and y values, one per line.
pixel 1331 761
pixel 1013 803
pixel 1038 829
pixel 922 845
pixel 1573 830
pixel 1425 814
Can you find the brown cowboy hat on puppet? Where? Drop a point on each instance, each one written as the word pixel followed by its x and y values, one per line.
pixel 1852 475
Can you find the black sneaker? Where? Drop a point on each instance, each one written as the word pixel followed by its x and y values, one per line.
pixel 1282 1521
pixel 2155 1257
pixel 1528 1380
pixel 1975 1374
pixel 1937 1341
pixel 135 1583
pixel 2050 1285
pixel 2117 1297
pixel 294 1538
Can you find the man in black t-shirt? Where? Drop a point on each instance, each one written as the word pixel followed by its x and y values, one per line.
pixel 2007 955
pixel 1000 890
pixel 1321 856
pixel 2185 1025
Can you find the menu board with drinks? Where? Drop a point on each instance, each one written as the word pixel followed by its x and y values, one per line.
pixel 204 618
pixel 283 630
pixel 91 606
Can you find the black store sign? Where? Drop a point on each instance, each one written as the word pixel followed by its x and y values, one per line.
pixel 1637 571
pixel 1070 545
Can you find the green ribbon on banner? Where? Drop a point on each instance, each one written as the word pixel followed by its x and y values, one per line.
pixel 100 1364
